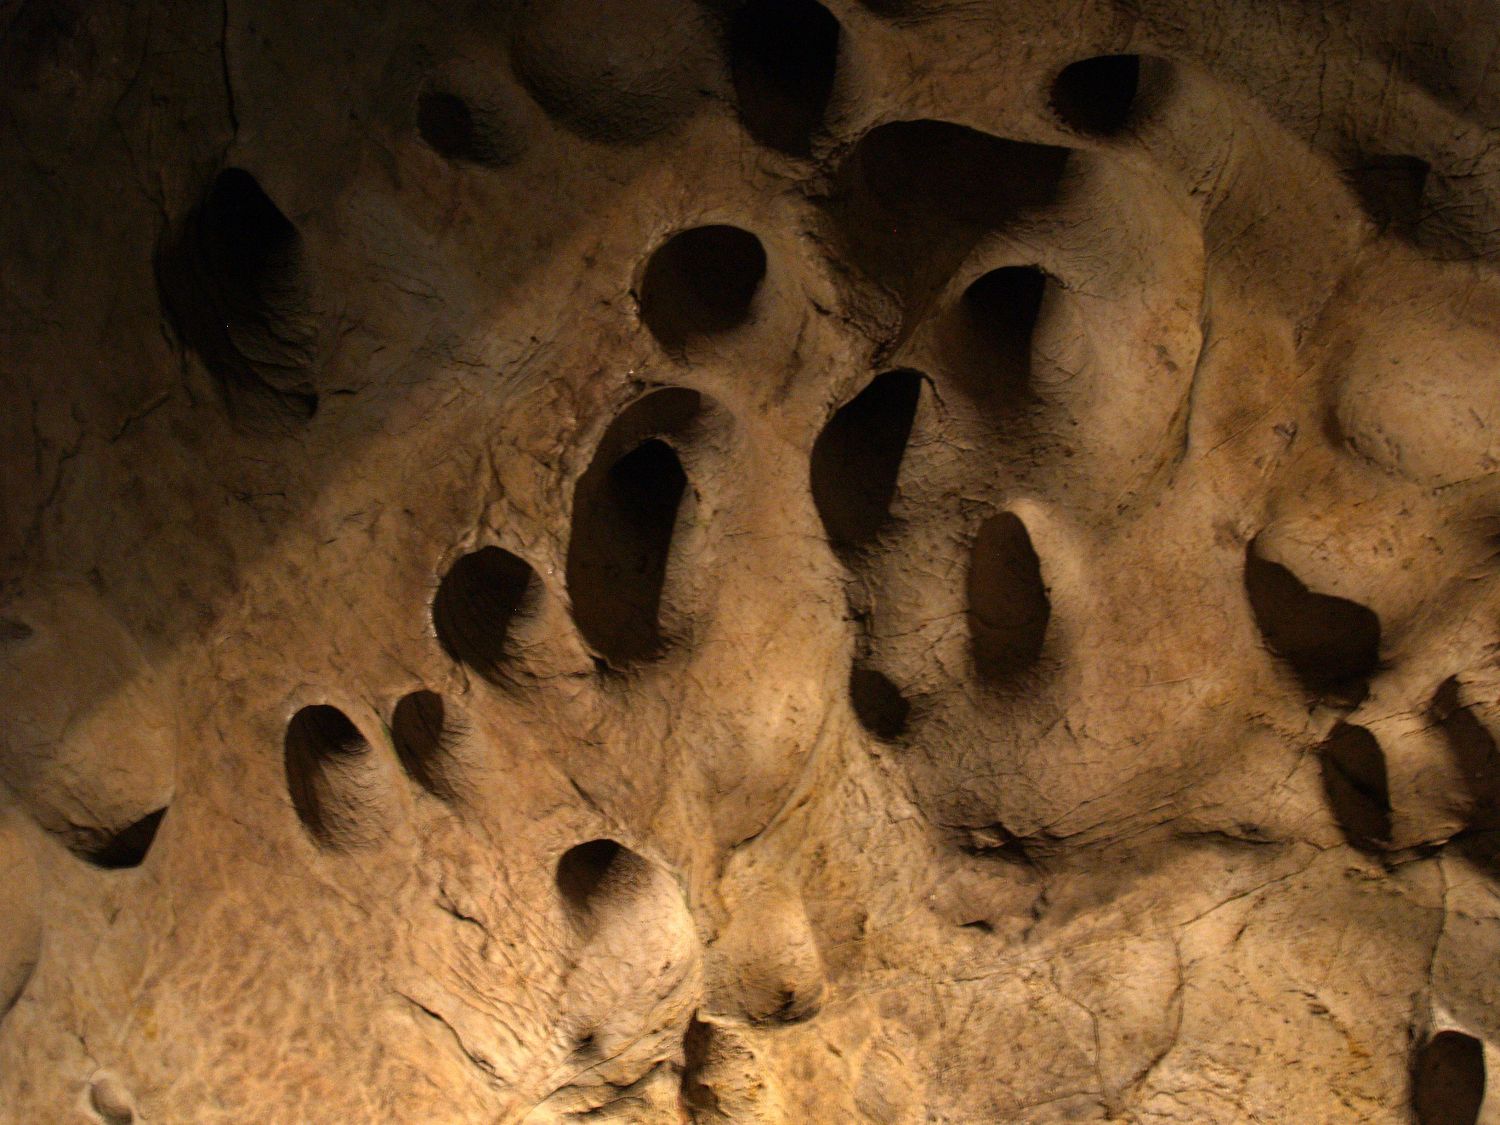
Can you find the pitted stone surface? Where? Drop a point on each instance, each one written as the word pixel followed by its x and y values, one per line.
pixel 761 561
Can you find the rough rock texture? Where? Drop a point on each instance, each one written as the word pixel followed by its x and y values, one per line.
pixel 647 561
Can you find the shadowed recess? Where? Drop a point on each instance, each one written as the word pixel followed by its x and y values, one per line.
pixel 856 460
pixel 701 282
pixel 1474 752
pixel 1331 643
pixel 1008 604
pixel 424 734
pixel 1354 780
pixel 1097 95
pixel 477 603
pixel 915 197
pixel 327 774
pixel 783 56
pixel 1448 1080
pixel 458 130
pixel 236 288
pixel 593 876
pixel 128 846
pixel 878 703
pixel 999 312
pixel 1391 188
pixel 625 511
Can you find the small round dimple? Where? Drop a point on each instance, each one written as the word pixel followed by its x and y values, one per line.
pixel 701 282
pixel 111 1100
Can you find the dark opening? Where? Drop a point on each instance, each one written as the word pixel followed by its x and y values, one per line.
pixel 424 734
pixel 856 460
pixel 456 129
pixel 701 282
pixel 1000 313
pixel 1008 604
pixel 1474 752
pixel 477 602
pixel 915 197
pixel 321 744
pixel 594 875
pixel 1354 780
pixel 878 703
pixel 1331 643
pixel 236 289
pixel 624 518
pixel 1391 188
pixel 1097 95
pixel 783 55
pixel 127 847
pixel 1448 1080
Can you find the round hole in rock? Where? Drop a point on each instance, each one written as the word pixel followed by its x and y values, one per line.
pixel 878 703
pixel 783 57
pixel 1448 1080
pixel 856 460
pixel 456 130
pixel 1008 604
pixel 1354 781
pixel 424 733
pixel 327 773
pixel 1332 644
pixel 1097 95
pixel 625 511
pixel 237 291
pixel 594 874
pixel 127 847
pixel 701 282
pixel 477 603
pixel 1391 188
pixel 1000 312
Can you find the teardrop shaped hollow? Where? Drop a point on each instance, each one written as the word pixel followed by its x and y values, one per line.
pixel 783 60
pixel 331 778
pixel 478 602
pixel 856 460
pixel 700 283
pixel 1009 608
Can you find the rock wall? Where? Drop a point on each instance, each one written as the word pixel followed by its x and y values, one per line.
pixel 658 561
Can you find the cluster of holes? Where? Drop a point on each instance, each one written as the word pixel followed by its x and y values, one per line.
pixel 701 282
pixel 237 290
pixel 477 603
pixel 1331 644
pixel 783 57
pixel 625 514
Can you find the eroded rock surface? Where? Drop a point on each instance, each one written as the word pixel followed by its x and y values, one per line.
pixel 769 561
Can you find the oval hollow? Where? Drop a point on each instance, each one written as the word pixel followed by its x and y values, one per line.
pixel 625 510
pixel 237 290
pixel 597 876
pixel 1355 783
pixel 1448 1080
pixel 701 282
pixel 1097 96
pixel 856 460
pixel 783 59
pixel 328 763
pixel 458 130
pixel 129 846
pixel 1008 604
pixel 1000 311
pixel 878 703
pixel 1331 644
pixel 423 733
pixel 478 602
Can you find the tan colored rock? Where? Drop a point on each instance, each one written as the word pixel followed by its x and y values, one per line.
pixel 767 561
